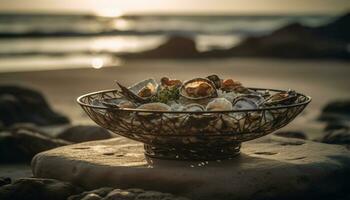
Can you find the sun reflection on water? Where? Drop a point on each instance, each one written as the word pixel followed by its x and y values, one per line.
pixel 97 63
pixel 108 12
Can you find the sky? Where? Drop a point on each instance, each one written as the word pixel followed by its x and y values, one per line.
pixel 118 7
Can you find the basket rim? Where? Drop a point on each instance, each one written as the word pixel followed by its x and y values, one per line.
pixel 81 103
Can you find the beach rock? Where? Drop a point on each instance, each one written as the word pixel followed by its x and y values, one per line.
pixel 98 193
pixel 20 145
pixel 124 194
pixel 174 47
pixel 336 111
pixel 291 41
pixel 5 181
pixel 335 125
pixel 85 133
pixel 339 136
pixel 271 167
pixel 338 29
pixel 38 189
pixel 292 134
pixel 19 104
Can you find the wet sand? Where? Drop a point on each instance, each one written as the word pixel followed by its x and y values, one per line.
pixel 322 80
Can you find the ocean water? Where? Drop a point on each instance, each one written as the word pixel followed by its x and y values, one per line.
pixel 37 42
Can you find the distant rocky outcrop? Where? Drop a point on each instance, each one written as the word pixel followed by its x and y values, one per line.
pixel 292 41
pixel 174 47
pixel 20 104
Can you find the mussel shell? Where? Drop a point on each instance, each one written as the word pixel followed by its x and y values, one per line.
pixel 216 80
pixel 283 98
pixel 131 93
pixel 184 85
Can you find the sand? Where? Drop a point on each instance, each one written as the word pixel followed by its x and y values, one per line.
pixel 322 80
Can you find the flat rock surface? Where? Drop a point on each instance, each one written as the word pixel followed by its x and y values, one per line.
pixel 268 168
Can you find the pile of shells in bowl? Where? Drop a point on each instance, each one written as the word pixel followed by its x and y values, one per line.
pixel 210 93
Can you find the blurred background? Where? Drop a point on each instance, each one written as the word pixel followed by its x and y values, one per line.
pixel 66 48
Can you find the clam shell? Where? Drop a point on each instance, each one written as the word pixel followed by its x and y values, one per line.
pixel 258 99
pixel 219 104
pixel 118 103
pixel 193 107
pixel 194 83
pixel 230 96
pixel 155 107
pixel 243 103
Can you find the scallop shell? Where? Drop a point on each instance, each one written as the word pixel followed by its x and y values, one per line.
pixel 133 92
pixel 219 104
pixel 195 84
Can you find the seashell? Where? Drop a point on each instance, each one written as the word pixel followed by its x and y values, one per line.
pixel 216 80
pixel 282 98
pixel 166 82
pixel 118 103
pixel 155 107
pixel 140 92
pixel 219 104
pixel 258 99
pixel 230 96
pixel 176 107
pixel 198 88
pixel 244 103
pixel 193 107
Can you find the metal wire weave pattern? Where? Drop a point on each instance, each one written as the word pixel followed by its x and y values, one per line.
pixel 187 135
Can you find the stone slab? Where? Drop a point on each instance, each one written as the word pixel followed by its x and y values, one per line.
pixel 268 168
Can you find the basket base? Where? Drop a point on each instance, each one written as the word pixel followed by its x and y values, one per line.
pixel 193 153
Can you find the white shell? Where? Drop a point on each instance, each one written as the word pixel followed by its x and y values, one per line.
pixel 193 107
pixel 118 102
pixel 219 104
pixel 154 106
pixel 258 99
pixel 230 96
pixel 243 103
pixel 177 107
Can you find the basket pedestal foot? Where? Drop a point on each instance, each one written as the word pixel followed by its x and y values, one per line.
pixel 193 152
